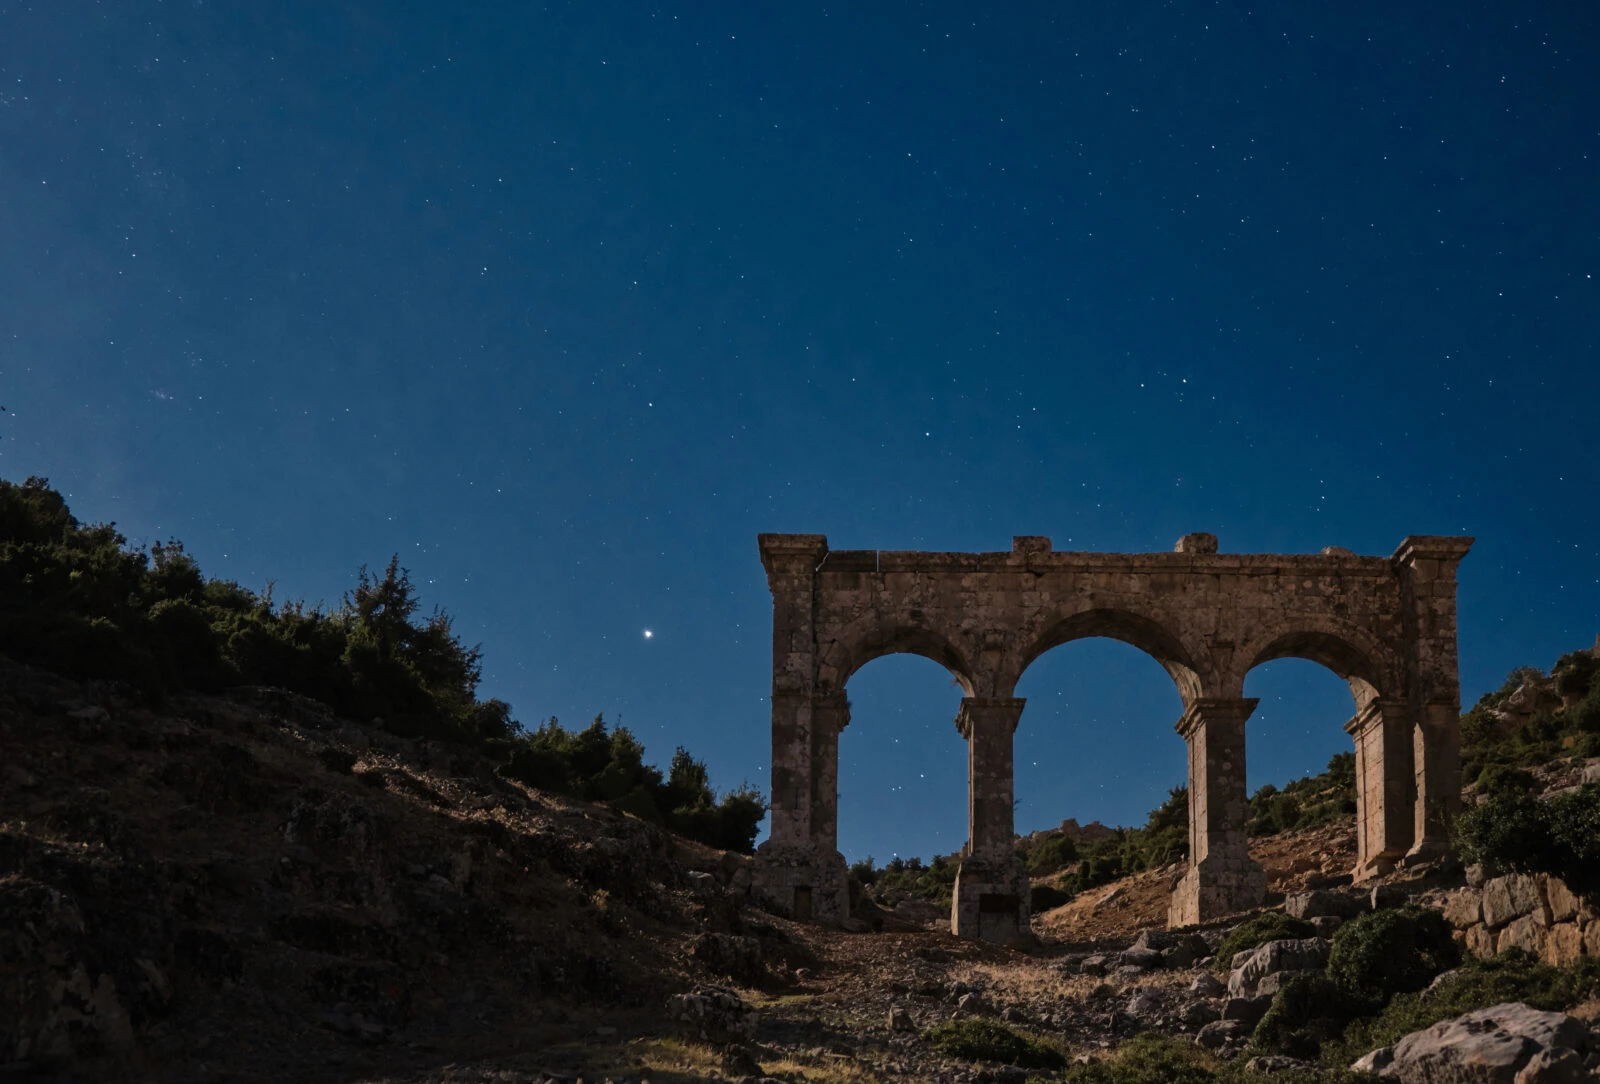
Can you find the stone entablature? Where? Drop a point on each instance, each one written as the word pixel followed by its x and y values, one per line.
pixel 1385 624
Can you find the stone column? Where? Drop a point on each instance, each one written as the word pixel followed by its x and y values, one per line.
pixel 1426 566
pixel 1436 752
pixel 1221 878
pixel 830 714
pixel 991 890
pixel 797 870
pixel 1382 732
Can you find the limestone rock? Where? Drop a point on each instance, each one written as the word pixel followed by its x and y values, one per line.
pixel 1563 902
pixel 1526 933
pixel 1145 1005
pixel 1197 1014
pixel 1463 908
pixel 1142 959
pixel 1497 1045
pixel 1480 941
pixel 714 1014
pixel 1320 903
pixel 1563 944
pixel 1220 1034
pixel 1274 957
pixel 1206 984
pixel 1375 1061
pixel 1246 1011
pixel 1513 896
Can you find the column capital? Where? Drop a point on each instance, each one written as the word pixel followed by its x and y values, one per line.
pixel 792 552
pixel 1431 547
pixel 979 711
pixel 1215 709
pixel 1373 713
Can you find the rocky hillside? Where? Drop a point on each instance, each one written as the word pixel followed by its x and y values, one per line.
pixel 245 886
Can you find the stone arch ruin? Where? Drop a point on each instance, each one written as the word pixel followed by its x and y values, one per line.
pixel 1387 625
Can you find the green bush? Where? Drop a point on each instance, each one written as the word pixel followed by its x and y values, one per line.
pixel 1308 1011
pixel 909 877
pixel 1561 836
pixel 1512 976
pixel 1305 803
pixel 1050 854
pixel 600 764
pixel 1148 1059
pixel 1383 953
pixel 1267 926
pixel 1504 779
pixel 988 1040
pixel 75 599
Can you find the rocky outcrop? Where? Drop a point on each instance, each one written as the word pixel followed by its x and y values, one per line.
pixel 1503 1044
pixel 1533 912
pixel 1264 971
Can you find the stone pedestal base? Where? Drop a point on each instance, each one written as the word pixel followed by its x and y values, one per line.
pixel 990 900
pixel 1380 866
pixel 1426 850
pixel 1217 887
pixel 809 884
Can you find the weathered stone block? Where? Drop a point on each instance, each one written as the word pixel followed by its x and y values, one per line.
pixel 1562 900
pixel 1513 896
pixel 1563 944
pixel 1463 908
pixel 1525 933
pixel 1480 941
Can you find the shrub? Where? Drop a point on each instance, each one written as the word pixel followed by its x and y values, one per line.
pixel 1148 1059
pixel 987 1040
pixel 1504 779
pixel 1051 854
pixel 1511 831
pixel 1513 976
pixel 1383 953
pixel 1308 1011
pixel 1268 926
pixel 1043 898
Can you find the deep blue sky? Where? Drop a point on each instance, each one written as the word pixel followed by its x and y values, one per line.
pixel 565 303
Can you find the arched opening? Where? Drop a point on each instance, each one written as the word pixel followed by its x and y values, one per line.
pixel 902 763
pixel 1095 752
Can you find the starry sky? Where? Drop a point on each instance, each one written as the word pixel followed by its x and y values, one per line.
pixel 566 302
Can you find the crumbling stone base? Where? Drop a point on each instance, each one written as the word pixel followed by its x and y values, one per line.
pixel 1217 887
pixel 808 884
pixel 990 900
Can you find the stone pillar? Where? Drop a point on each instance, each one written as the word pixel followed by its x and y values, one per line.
pixel 1426 566
pixel 799 870
pixel 1436 752
pixel 1221 878
pixel 830 714
pixel 991 891
pixel 1385 800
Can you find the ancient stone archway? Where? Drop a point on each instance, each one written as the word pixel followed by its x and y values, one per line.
pixel 1387 625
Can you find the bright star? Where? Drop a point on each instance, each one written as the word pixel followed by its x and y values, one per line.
pixel 648 634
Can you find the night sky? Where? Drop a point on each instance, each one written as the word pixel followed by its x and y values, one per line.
pixel 565 303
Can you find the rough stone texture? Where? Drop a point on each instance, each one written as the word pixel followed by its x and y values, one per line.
pixel 1563 944
pixel 1514 896
pixel 1320 903
pixel 1494 1045
pixel 1274 959
pixel 1463 909
pixel 1525 933
pixel 1385 624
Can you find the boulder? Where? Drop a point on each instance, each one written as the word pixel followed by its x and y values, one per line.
pixel 1563 902
pixel 1526 933
pixel 1320 903
pixel 1197 1014
pixel 1274 958
pixel 900 1019
pixel 1480 941
pixel 1206 984
pixel 1563 945
pixel 1093 965
pixel 1497 1045
pixel 1463 908
pixel 1220 1034
pixel 1375 1061
pixel 713 1014
pixel 1246 1011
pixel 1514 896
pixel 1142 959
pixel 1145 1005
